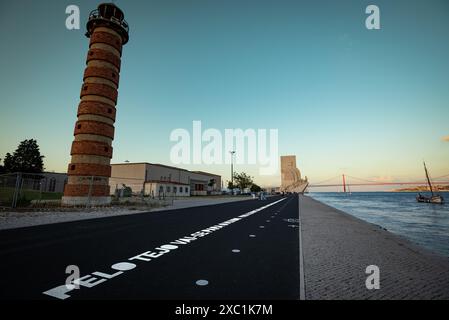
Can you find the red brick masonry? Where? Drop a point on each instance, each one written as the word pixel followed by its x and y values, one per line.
pixel 99 89
pixel 94 127
pixel 98 54
pixel 107 38
pixel 104 73
pixel 82 190
pixel 89 169
pixel 97 108
pixel 91 148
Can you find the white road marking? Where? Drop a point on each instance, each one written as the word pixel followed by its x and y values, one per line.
pixel 123 266
pixel 61 292
pixel 202 283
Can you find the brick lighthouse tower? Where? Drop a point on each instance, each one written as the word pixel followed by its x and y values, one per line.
pixel 89 170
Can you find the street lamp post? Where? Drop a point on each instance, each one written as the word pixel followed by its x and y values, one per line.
pixel 232 169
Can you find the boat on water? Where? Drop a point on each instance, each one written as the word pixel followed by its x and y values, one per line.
pixel 434 198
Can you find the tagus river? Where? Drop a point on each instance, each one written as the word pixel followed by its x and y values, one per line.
pixel 398 212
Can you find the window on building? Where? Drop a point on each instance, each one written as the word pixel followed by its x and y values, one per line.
pixel 187 190
pixel 175 189
pixel 199 187
pixel 168 188
pixel 161 189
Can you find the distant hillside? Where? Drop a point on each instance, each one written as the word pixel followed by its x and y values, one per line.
pixel 423 189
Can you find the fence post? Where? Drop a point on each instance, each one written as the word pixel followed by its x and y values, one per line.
pixel 40 190
pixel 17 189
pixel 21 186
pixel 90 191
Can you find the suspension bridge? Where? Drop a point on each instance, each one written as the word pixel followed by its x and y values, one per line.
pixel 346 182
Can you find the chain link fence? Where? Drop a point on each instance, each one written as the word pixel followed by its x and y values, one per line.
pixel 24 190
pixel 134 191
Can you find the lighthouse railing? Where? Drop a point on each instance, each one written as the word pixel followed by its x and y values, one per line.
pixel 95 14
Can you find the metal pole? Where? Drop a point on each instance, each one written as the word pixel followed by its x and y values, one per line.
pixel 16 189
pixel 90 191
pixel 232 168
pixel 15 192
pixel 232 173
pixel 40 190
pixel 21 186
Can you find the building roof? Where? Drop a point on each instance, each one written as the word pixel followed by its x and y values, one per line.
pixel 151 164
pixel 206 173
pixel 63 173
pixel 166 182
pixel 165 166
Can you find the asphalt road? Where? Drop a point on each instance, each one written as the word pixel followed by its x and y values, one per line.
pixel 179 247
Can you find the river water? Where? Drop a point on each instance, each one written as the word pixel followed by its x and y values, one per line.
pixel 399 212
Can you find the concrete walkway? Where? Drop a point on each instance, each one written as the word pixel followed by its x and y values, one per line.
pixel 337 248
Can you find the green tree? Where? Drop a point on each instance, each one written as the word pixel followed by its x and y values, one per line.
pixel 27 158
pixel 2 168
pixel 255 188
pixel 230 185
pixel 242 180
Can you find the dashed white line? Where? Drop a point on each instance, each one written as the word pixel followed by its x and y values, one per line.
pixel 202 282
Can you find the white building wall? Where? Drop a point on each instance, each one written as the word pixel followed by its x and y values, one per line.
pixel 130 174
pixel 159 189
pixel 138 176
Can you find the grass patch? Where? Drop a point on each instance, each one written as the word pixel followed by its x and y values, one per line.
pixel 25 196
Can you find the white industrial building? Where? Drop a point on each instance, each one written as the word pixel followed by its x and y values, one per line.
pixel 158 180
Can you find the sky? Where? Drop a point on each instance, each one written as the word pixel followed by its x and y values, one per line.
pixel 368 103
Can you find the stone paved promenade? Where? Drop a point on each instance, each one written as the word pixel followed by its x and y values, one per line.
pixel 337 248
